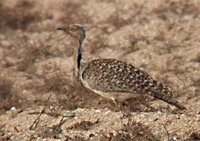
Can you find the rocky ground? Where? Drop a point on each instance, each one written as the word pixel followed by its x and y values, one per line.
pixel 40 100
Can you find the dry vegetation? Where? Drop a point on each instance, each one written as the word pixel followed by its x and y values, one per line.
pixel 36 61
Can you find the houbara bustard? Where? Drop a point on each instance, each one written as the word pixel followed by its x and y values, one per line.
pixel 114 79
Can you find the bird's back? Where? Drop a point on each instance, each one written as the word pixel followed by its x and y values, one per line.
pixel 110 75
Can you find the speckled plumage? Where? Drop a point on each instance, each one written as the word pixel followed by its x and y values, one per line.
pixel 115 79
pixel 111 76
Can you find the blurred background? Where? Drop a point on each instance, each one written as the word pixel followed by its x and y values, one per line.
pixel 160 37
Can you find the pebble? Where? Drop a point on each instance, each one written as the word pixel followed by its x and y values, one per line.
pixel 98 111
pixel 198 117
pixel 13 108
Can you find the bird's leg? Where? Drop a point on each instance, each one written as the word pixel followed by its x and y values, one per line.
pixel 127 105
pixel 116 104
pixel 114 101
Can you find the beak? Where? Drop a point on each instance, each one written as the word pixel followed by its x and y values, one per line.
pixel 61 28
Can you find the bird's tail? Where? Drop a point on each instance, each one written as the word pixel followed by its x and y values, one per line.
pixel 165 94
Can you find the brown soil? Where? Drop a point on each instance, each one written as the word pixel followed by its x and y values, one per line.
pixel 36 69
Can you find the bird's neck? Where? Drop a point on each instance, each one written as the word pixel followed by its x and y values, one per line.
pixel 78 60
pixel 79 56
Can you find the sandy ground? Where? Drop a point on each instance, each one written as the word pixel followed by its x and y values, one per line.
pixel 39 98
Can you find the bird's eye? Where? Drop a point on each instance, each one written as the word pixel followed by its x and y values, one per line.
pixel 73 29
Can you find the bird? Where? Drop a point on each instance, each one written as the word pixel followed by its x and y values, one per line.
pixel 114 79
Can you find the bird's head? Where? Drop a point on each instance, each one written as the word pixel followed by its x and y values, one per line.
pixel 76 31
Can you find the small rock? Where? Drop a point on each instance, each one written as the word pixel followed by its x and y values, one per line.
pixel 13 108
pixel 198 117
